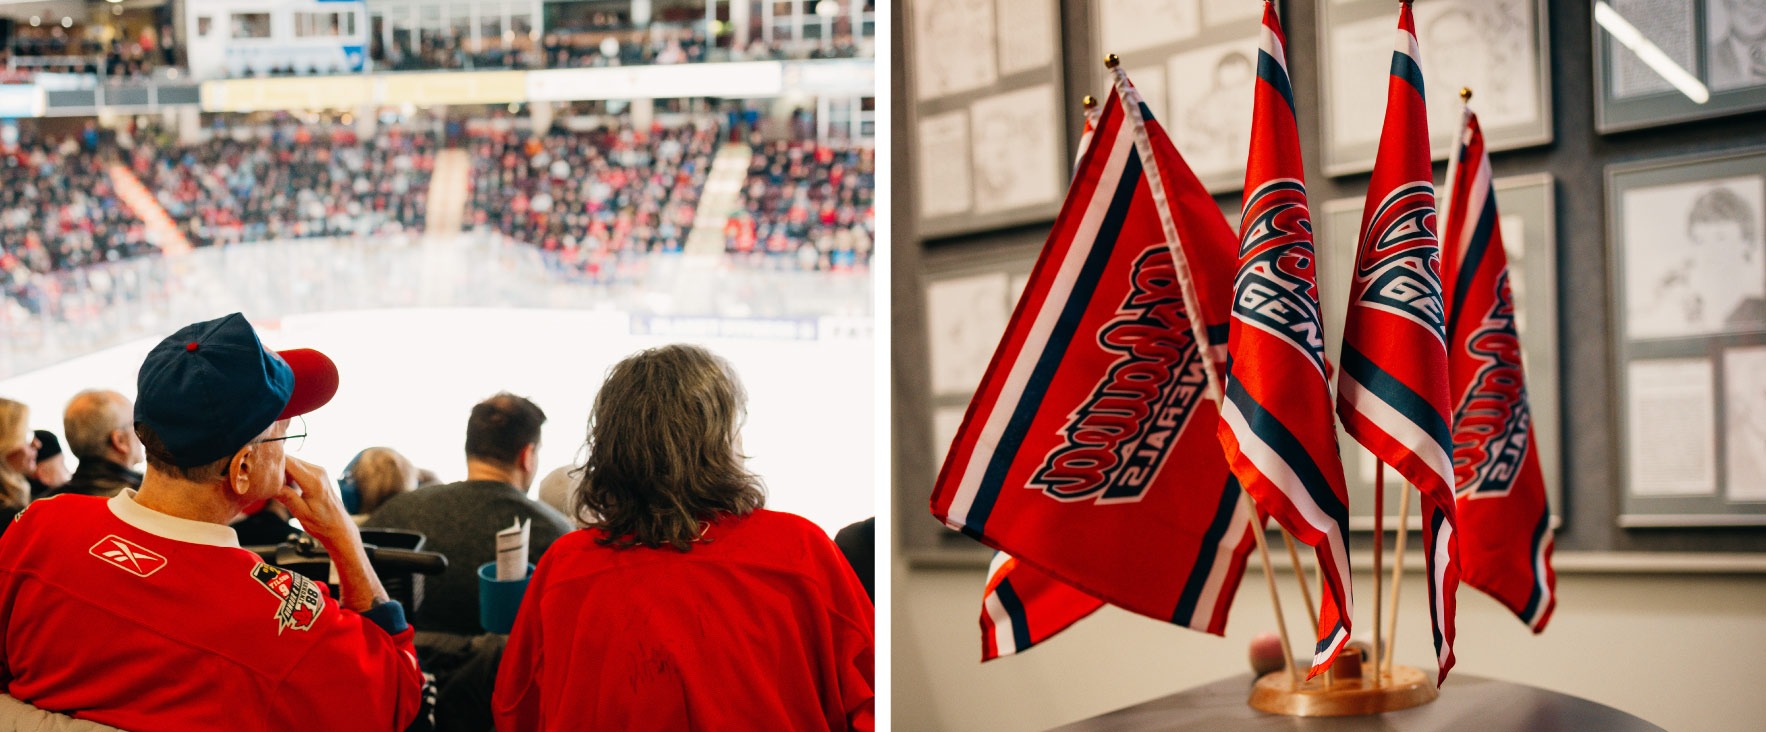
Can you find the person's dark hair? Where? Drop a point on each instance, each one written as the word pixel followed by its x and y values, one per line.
pixel 159 459
pixel 1719 205
pixel 500 426
pixel 664 458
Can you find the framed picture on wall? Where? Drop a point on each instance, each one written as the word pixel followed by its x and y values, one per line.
pixel 1526 207
pixel 988 118
pixel 1195 64
pixel 1497 48
pixel 1659 61
pixel 1688 249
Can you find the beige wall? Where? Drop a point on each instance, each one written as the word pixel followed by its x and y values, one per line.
pixel 1685 652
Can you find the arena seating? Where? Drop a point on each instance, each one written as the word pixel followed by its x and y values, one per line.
pixel 809 203
pixel 292 182
pixel 587 195
pixel 58 210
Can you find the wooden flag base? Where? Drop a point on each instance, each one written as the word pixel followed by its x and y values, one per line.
pixel 1404 687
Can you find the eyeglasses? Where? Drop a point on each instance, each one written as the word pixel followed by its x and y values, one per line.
pixel 297 440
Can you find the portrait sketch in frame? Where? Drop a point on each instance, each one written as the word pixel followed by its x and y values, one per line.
pixel 1664 61
pixel 1196 70
pixel 996 66
pixel 1686 238
pixel 1497 48
pixel 1527 216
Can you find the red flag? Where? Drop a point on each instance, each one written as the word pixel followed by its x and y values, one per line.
pixel 1276 422
pixel 1505 537
pixel 1392 387
pixel 1088 452
pixel 1022 606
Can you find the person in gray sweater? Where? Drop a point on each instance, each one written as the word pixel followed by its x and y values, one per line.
pixel 461 520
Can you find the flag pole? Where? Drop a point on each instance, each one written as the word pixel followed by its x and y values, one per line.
pixel 1379 553
pixel 1156 186
pixel 1300 574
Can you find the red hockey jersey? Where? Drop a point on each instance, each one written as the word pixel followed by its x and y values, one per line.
pixel 761 626
pixel 118 614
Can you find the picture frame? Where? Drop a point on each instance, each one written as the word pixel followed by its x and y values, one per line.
pixel 1688 317
pixel 988 117
pixel 1195 64
pixel 1695 67
pixel 1527 210
pixel 1500 49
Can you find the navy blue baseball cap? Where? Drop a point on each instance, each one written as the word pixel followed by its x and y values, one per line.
pixel 212 387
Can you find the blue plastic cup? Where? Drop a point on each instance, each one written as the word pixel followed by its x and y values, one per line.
pixel 499 601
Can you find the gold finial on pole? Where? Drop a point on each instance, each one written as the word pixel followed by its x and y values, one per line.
pixel 1111 61
pixel 1465 94
pixel 1089 101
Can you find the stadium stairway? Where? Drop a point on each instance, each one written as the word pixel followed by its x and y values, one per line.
pixel 722 197
pixel 160 228
pixel 448 193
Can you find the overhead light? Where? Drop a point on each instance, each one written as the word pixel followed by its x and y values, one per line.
pixel 1624 32
pixel 115 2
pixel 67 22
pixel 36 21
pixel 828 8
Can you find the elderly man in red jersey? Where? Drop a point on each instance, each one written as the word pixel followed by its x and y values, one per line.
pixel 142 612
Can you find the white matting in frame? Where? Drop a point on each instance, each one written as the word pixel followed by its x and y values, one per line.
pixel 1526 210
pixel 1017 150
pixel 1027 35
pixel 953 46
pixel 1670 446
pixel 944 164
pixel 1131 25
pixel 1744 435
pixel 965 317
pixel 1494 47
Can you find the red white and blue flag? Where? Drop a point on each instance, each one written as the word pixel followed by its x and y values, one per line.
pixel 1505 537
pixel 1023 606
pixel 1392 385
pixel 1276 423
pixel 1089 452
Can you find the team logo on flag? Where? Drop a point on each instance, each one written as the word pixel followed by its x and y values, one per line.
pixel 301 601
pixel 1402 268
pixel 131 557
pixel 1134 415
pixel 1492 429
pixel 1276 291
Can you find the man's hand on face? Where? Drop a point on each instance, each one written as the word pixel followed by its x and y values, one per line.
pixel 309 497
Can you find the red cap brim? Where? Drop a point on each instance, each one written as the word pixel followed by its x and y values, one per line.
pixel 315 381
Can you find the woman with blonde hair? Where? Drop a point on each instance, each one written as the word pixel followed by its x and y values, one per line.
pixel 375 475
pixel 18 458
pixel 684 604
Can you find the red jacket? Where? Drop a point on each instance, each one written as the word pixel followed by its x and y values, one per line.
pixel 760 626
pixel 118 614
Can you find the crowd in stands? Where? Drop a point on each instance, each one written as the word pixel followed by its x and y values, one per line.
pixel 59 211
pixel 808 203
pixel 291 182
pixel 586 195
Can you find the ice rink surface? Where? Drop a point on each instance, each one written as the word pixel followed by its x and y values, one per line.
pixel 409 379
